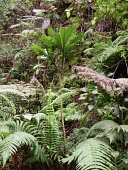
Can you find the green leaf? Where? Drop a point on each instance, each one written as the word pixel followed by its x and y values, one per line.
pixel 47 41
pixel 77 38
pixel 38 49
pixel 90 107
pixel 66 34
pixel 115 154
pixel 56 37
pixel 41 57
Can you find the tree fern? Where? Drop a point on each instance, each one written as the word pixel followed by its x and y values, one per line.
pixel 92 154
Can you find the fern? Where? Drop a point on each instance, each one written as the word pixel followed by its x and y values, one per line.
pixel 16 134
pixel 121 40
pixel 92 154
pixel 108 52
pixel 104 128
pixel 63 95
pixel 124 128
pixel 108 129
pixel 51 135
pixel 71 112
pixel 104 54
pixel 11 143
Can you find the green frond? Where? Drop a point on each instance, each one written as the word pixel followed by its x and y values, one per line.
pixel 104 124
pixel 92 154
pixel 16 134
pixel 71 112
pixel 124 128
pixel 51 135
pixel 121 40
pixel 39 153
pixel 104 128
pixel 18 126
pixel 64 97
pixel 102 51
pixel 10 144
pixel 108 52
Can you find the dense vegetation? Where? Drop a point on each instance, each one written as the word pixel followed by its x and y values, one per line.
pixel 63 85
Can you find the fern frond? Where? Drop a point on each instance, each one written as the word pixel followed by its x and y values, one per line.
pixel 104 54
pixel 104 128
pixel 18 126
pixel 124 128
pixel 109 51
pixel 66 95
pixel 121 40
pixel 40 154
pixel 71 112
pixel 92 154
pixel 15 135
pixel 11 143
pixel 104 124
pixel 51 134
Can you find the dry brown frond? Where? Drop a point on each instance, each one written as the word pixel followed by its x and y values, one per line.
pixel 113 86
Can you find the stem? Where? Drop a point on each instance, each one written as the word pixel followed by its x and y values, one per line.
pixel 61 106
pixel 121 116
pixel 123 141
pixel 62 120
